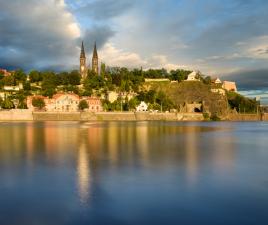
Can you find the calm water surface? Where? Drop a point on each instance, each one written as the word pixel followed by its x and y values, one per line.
pixel 133 173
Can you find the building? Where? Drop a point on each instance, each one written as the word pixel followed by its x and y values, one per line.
pixel 193 76
pixel 95 60
pixel 229 86
pixel 69 102
pixel 5 72
pixel 94 104
pixel 142 107
pixel 216 81
pixel 64 103
pixel 83 63
pixel 13 88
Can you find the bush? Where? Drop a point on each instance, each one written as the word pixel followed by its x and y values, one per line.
pixel 214 117
pixel 83 105
pixel 206 116
pixel 38 103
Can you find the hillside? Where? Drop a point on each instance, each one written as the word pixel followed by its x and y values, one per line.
pixel 192 91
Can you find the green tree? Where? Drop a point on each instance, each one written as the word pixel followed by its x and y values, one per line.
pixel 38 103
pixel 35 76
pixel 133 103
pixel 1 75
pixel 49 83
pixel 83 105
pixel 207 80
pixel 1 101
pixel 20 75
pixel 103 70
pixel 9 80
pixel 74 78
pixel 7 104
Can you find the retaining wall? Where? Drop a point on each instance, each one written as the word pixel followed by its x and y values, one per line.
pixel 16 115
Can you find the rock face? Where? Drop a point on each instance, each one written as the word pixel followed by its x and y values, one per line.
pixel 195 92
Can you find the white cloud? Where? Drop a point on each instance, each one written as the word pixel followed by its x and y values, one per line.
pixel 44 32
pixel 113 56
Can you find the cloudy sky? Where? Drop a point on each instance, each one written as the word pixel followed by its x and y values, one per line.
pixel 220 38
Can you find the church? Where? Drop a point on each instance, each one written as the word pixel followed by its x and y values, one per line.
pixel 83 62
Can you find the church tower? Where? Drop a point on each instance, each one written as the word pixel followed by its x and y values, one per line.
pixel 95 60
pixel 83 65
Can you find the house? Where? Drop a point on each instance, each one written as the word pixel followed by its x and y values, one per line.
pixel 69 102
pixel 142 107
pixel 64 103
pixel 5 72
pixel 193 76
pixel 112 96
pixel 14 88
pixel 94 104
pixel 229 86
pixel 216 81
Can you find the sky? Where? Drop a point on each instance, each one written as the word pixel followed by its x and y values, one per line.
pixel 221 38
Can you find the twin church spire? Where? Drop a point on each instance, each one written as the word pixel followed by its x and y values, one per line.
pixel 83 64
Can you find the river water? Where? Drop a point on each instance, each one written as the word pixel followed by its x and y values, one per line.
pixel 133 173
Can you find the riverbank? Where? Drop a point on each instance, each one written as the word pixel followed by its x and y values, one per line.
pixel 27 115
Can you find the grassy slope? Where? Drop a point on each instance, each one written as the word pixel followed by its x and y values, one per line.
pixel 192 91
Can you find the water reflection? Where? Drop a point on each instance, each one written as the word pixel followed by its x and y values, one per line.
pixel 191 148
pixel 121 167
pixel 83 168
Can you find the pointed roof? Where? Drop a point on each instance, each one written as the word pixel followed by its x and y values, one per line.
pixel 82 55
pixel 95 53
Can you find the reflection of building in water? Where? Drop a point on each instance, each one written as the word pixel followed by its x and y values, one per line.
pixel 191 148
pixel 83 172
pixel 30 143
pixel 224 150
pixel 142 141
pixel 113 143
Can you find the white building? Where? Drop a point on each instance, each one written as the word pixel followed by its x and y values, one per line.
pixel 142 107
pixel 193 76
pixel 217 81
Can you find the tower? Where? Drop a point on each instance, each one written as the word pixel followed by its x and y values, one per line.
pixel 83 65
pixel 95 60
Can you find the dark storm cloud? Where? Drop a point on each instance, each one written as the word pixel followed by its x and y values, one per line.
pixel 35 34
pixel 42 34
pixel 250 80
pixel 106 9
pixel 98 34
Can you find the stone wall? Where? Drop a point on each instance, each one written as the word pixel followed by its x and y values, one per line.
pixel 265 117
pixel 27 115
pixel 16 115
pixel 244 117
pixel 50 116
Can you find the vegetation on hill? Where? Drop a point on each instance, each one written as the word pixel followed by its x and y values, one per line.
pixel 192 92
pixel 242 104
pixel 159 95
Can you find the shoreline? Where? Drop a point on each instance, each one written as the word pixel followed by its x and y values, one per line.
pixel 27 115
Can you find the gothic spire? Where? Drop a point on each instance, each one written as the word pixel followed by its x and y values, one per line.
pixel 95 53
pixel 82 55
